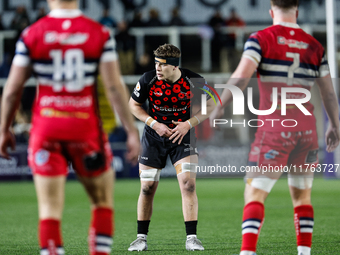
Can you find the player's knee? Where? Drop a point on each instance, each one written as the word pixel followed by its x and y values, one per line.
pixel 148 188
pixel 189 186
pixel 300 189
pixel 101 198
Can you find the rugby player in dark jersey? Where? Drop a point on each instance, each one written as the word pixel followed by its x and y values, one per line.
pixel 171 92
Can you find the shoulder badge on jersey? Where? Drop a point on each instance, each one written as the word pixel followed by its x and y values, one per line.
pixel 137 88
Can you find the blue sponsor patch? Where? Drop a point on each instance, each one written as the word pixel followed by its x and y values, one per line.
pixel 41 157
pixel 271 154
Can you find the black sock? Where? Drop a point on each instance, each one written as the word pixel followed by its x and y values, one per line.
pixel 191 227
pixel 143 226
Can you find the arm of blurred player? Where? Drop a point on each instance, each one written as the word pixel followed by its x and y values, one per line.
pixel 10 102
pixel 116 93
pixel 182 128
pixel 330 102
pixel 137 110
pixel 239 78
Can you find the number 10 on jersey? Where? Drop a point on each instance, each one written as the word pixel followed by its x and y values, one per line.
pixel 68 72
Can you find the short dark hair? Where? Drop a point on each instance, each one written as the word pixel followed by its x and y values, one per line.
pixel 167 51
pixel 285 4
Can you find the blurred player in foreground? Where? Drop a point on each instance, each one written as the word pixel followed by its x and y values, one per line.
pixel 65 50
pixel 285 57
pixel 170 91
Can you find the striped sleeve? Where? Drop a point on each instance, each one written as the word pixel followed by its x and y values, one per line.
pixel 109 51
pixel 252 50
pixel 21 57
pixel 324 68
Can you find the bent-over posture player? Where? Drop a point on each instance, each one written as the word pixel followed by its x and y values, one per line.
pixel 170 91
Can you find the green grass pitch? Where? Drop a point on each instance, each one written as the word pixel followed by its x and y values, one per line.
pixel 219 228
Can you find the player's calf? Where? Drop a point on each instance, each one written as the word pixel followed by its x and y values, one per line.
pixel 300 188
pixel 304 222
pixel 50 237
pixel 253 217
pixel 101 231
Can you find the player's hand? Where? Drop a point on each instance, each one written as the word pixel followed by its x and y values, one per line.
pixel 332 138
pixel 215 114
pixel 6 140
pixel 179 131
pixel 162 129
pixel 133 147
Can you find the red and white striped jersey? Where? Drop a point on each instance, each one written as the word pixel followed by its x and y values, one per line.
pixel 64 49
pixel 286 57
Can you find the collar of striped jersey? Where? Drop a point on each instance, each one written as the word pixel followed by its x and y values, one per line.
pixel 65 13
pixel 169 61
pixel 288 24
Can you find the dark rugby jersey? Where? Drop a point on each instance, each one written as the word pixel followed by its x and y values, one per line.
pixel 170 101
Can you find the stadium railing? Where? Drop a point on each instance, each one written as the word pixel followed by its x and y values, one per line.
pixel 174 33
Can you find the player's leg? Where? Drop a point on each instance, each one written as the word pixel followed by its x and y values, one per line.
pixel 185 158
pixel 303 215
pixel 151 160
pixel 265 152
pixel 186 176
pixel 91 160
pixel 50 195
pixel 100 192
pixel 255 194
pixel 49 169
pixel 300 183
pixel 149 179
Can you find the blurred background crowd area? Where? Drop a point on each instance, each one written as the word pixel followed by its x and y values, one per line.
pixel 132 61
pixel 140 26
